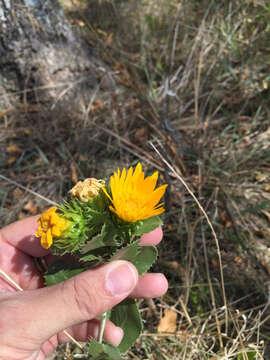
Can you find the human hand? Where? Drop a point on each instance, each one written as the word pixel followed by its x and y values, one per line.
pixel 32 321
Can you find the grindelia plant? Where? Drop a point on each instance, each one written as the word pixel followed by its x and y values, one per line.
pixel 98 223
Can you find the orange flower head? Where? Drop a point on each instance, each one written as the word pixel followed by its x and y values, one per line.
pixel 133 196
pixel 50 225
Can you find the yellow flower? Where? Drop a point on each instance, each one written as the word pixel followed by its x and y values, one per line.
pixel 87 189
pixel 50 225
pixel 135 197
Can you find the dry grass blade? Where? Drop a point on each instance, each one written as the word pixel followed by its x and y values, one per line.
pixel 8 278
pixel 28 190
pixel 141 154
pixel 217 246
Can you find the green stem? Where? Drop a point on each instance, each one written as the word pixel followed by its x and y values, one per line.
pixel 102 327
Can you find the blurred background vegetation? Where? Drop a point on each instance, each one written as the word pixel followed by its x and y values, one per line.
pixel 191 79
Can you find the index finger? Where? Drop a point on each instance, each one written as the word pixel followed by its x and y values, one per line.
pixel 21 235
pixel 152 238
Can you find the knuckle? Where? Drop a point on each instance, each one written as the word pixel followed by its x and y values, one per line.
pixel 86 299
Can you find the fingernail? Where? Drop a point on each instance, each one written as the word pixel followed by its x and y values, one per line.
pixel 122 278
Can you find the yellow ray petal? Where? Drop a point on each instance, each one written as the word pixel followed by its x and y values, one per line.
pixel 149 184
pixel 138 173
pixel 156 195
pixel 106 192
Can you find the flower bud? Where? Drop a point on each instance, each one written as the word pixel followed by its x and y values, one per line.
pixel 87 189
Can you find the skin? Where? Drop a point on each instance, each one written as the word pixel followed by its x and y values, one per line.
pixel 32 321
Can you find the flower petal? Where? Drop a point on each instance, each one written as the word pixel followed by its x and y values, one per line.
pixel 106 193
pixel 133 196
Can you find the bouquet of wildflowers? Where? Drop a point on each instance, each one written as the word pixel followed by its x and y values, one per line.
pixel 98 223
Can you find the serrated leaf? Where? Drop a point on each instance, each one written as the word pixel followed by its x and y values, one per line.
pixel 145 258
pixel 99 351
pixel 142 257
pixel 95 243
pixel 148 225
pixel 128 253
pixel 61 270
pixel 127 316
pixel 105 238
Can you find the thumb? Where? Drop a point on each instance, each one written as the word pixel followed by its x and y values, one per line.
pixel 42 313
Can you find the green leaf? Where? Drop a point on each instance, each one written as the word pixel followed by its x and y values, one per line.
pixel 95 243
pixel 105 238
pixel 148 225
pixel 99 351
pixel 142 257
pixel 128 253
pixel 127 316
pixel 145 258
pixel 90 257
pixel 61 270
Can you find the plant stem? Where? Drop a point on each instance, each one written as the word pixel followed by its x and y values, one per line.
pixel 102 327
